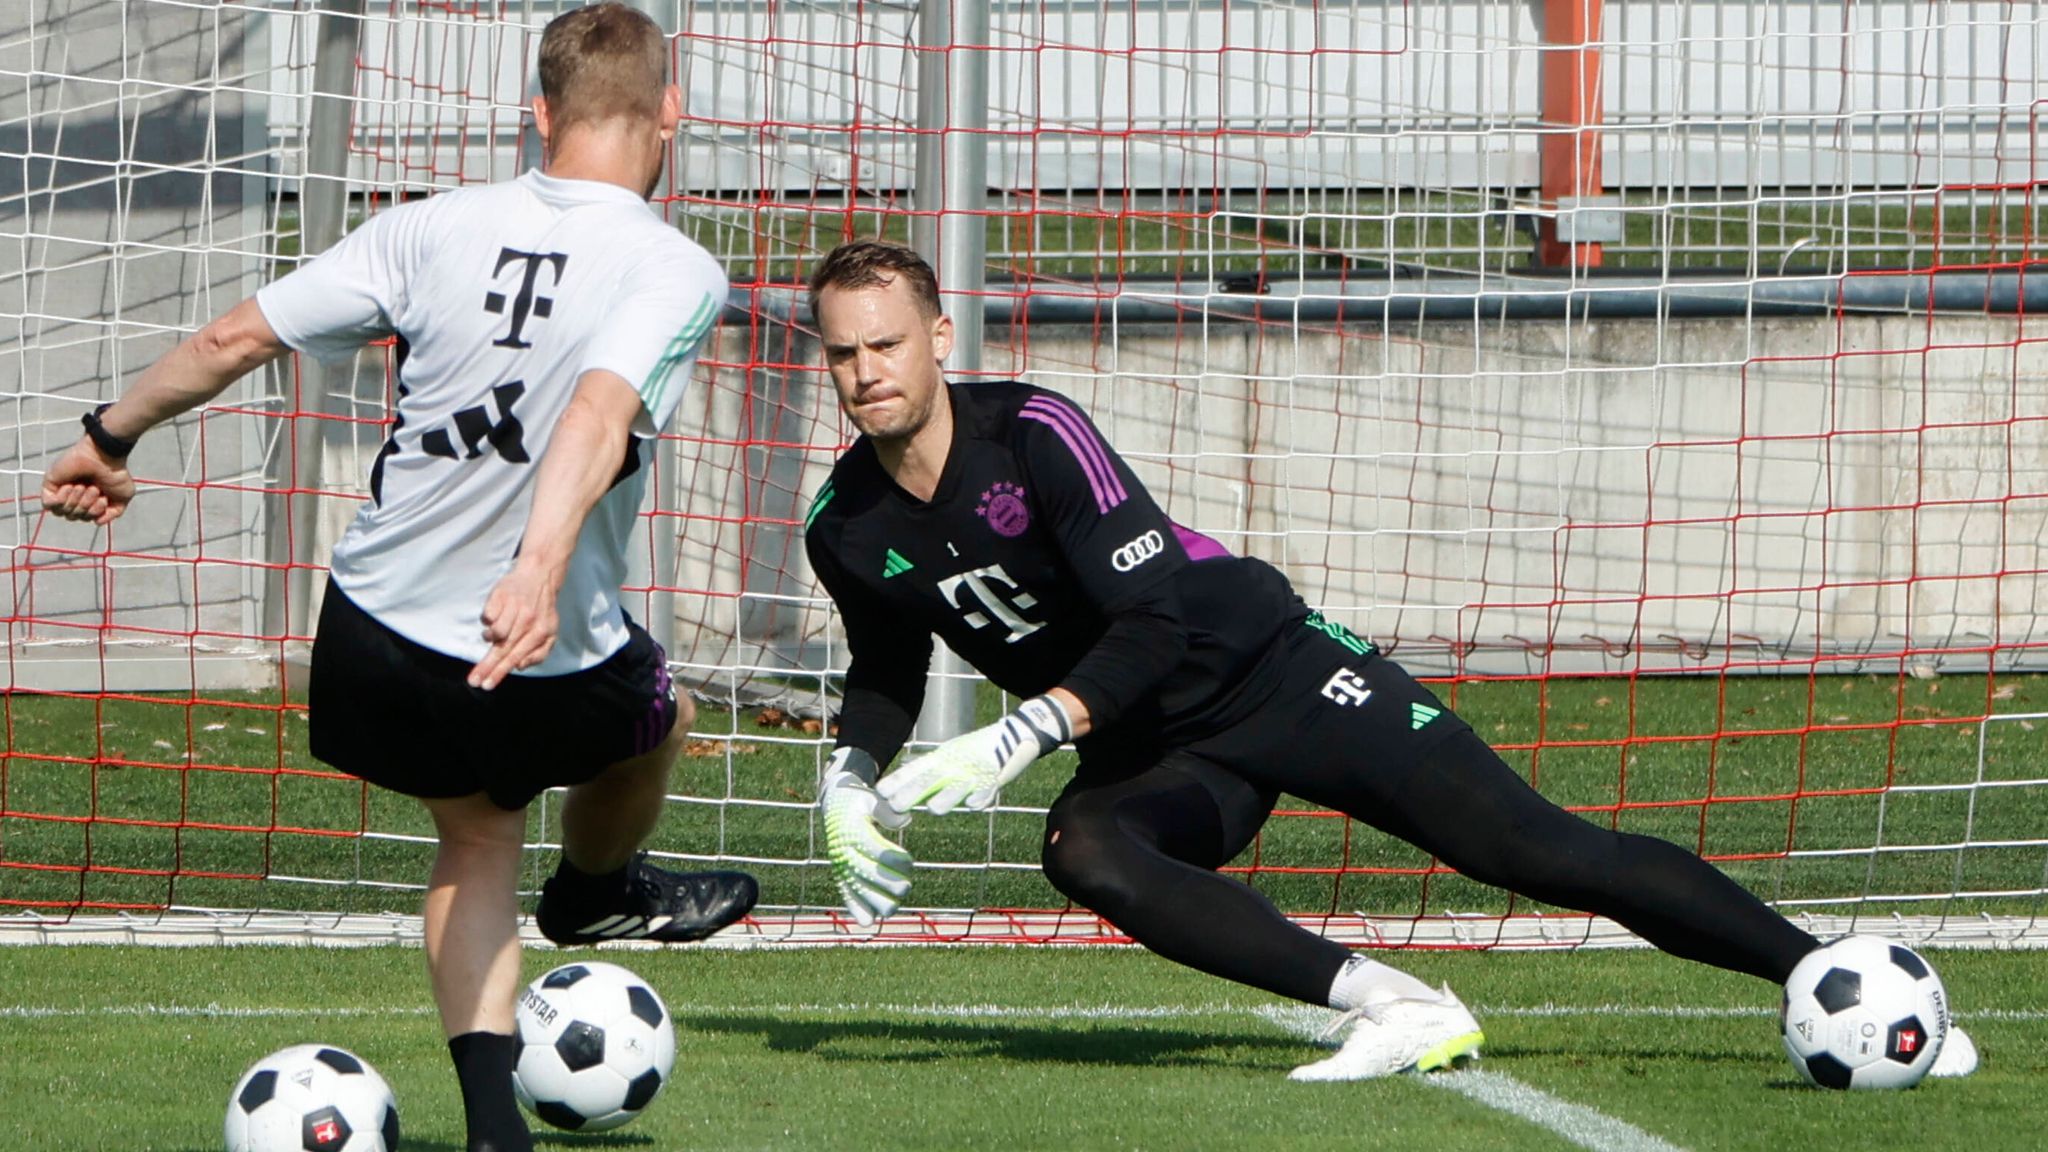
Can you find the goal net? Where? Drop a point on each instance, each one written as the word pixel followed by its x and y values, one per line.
pixel 1657 381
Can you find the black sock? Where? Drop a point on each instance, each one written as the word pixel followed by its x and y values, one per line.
pixel 483 1063
pixel 600 888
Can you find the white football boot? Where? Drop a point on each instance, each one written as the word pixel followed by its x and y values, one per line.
pixel 1408 1035
pixel 1958 1055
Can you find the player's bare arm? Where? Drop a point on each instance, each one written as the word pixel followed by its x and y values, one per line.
pixel 91 483
pixel 581 462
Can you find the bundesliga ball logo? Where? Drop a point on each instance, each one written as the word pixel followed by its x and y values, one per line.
pixel 1004 508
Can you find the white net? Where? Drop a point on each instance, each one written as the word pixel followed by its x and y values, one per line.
pixel 1682 421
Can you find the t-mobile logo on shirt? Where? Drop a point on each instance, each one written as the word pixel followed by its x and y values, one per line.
pixel 983 585
pixel 526 302
pixel 1347 688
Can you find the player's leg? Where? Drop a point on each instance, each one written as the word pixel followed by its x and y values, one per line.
pixel 1143 852
pixel 472 944
pixel 1431 781
pixel 1464 805
pixel 403 717
pixel 604 888
pixel 605 820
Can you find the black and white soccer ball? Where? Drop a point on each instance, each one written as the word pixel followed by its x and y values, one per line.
pixel 312 1098
pixel 595 1046
pixel 1863 1012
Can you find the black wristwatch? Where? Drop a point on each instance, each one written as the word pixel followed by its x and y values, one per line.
pixel 111 446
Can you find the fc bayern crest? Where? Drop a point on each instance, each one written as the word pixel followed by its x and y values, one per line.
pixel 1004 508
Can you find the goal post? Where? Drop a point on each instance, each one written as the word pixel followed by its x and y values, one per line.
pixel 1662 382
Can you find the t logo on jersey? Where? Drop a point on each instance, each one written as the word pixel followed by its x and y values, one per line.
pixel 1346 688
pixel 526 303
pixel 984 584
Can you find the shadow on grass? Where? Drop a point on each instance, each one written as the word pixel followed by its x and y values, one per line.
pixel 406 1143
pixel 898 1042
pixel 1647 1053
pixel 543 1137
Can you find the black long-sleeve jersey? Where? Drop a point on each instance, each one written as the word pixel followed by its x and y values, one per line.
pixel 1044 563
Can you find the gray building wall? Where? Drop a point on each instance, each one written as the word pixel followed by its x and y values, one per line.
pixel 1767 495
pixel 132 172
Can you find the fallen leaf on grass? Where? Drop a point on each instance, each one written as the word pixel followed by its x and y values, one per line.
pixel 718 748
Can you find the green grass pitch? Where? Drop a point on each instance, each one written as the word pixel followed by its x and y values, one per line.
pixel 1738 768
pixel 1071 1048
pixel 950 1048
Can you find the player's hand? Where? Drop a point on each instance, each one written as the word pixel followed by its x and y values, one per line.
pixel 86 486
pixel 967 771
pixel 519 624
pixel 872 871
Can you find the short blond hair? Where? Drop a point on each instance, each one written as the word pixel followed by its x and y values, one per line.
pixel 601 62
pixel 876 264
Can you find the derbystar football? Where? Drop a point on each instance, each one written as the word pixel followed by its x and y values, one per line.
pixel 312 1098
pixel 595 1046
pixel 1863 1012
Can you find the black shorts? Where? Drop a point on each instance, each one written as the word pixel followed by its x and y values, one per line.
pixel 1344 728
pixel 403 716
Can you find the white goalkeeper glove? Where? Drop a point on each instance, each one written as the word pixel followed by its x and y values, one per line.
pixel 872 871
pixel 967 771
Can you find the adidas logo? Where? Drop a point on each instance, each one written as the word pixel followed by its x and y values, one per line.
pixel 617 927
pixel 894 564
pixel 1421 714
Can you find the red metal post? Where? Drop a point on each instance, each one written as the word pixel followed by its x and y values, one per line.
pixel 1570 160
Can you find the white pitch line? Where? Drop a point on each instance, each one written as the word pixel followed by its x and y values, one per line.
pixel 1586 1127
pixel 37 1012
pixel 929 1011
pixel 1279 1014
pixel 977 1011
pixel 1687 1012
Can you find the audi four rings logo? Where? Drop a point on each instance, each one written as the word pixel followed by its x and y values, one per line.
pixel 1138 551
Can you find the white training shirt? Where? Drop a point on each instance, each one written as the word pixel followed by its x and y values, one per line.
pixel 501 297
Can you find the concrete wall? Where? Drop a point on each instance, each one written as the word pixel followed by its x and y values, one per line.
pixel 1615 495
pixel 130 212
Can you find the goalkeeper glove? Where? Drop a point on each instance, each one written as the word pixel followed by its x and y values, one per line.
pixel 967 771
pixel 872 871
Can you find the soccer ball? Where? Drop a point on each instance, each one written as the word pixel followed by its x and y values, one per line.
pixel 1863 1012
pixel 312 1098
pixel 595 1045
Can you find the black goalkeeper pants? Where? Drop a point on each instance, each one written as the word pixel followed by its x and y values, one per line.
pixel 1357 734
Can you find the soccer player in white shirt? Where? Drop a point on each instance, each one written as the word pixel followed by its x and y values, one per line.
pixel 472 650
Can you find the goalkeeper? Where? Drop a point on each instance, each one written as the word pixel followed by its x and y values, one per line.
pixel 1195 684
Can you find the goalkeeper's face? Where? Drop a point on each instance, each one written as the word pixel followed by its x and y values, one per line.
pixel 884 354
